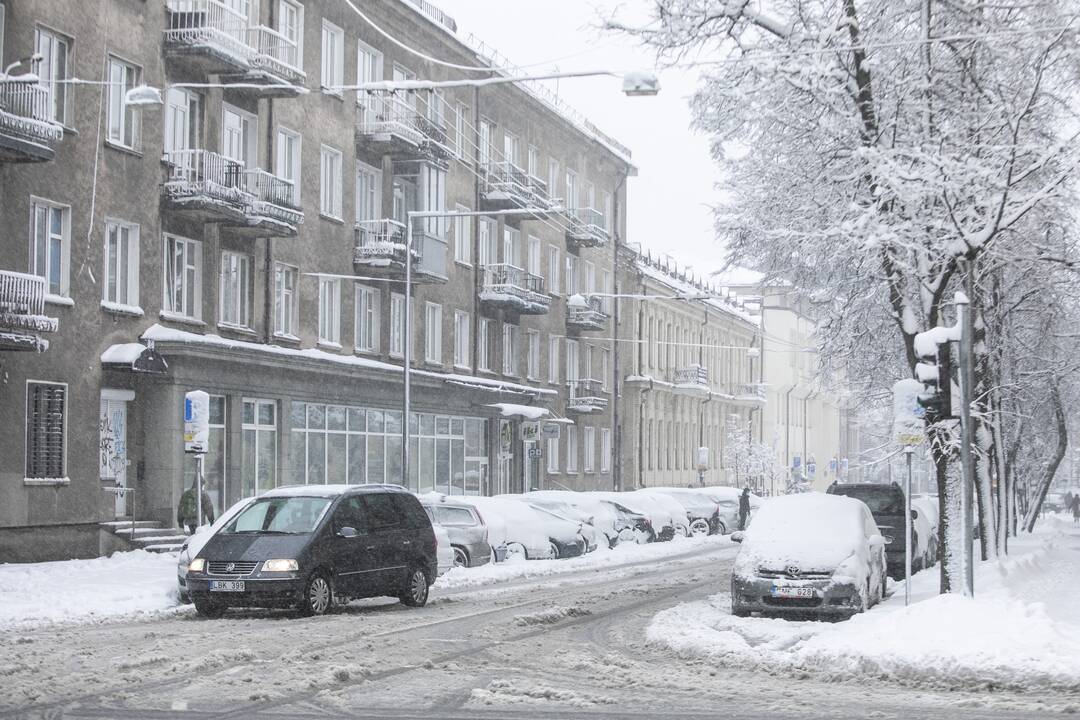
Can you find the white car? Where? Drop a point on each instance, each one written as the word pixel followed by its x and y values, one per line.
pixel 727 498
pixel 525 532
pixel 680 519
pixel 444 551
pixel 661 520
pixel 702 510
pixel 809 553
pixel 601 515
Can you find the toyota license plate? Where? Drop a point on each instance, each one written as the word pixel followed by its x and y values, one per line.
pixel 226 586
pixel 782 591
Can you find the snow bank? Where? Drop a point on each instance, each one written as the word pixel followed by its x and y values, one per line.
pixel 124 584
pixel 1020 631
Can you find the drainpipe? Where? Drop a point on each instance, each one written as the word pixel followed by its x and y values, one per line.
pixel 616 432
pixel 641 434
pixel 478 272
pixel 268 248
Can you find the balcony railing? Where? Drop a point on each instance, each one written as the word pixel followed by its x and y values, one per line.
pixel 22 312
pixel 393 116
pixel 586 313
pixel 434 14
pixel 24 110
pixel 382 242
pixel 691 375
pixel 588 227
pixel 508 186
pixel 586 395
pixel 272 197
pixel 515 288
pixel 275 53
pixel 748 392
pixel 203 174
pixel 210 25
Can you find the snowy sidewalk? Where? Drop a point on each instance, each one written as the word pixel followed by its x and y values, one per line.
pixel 1020 631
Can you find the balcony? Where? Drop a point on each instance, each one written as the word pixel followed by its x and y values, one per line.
pixel 507 187
pixel 586 397
pixel 272 209
pixel 587 228
pixel 212 37
pixel 511 288
pixel 207 186
pixel 693 379
pixel 390 124
pixel 747 394
pixel 22 312
pixel 381 247
pixel 25 127
pixel 585 313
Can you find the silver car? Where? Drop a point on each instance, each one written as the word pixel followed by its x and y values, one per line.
pixel 468 534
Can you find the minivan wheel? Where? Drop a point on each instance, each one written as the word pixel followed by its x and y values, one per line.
pixel 516 550
pixel 553 549
pixel 699 527
pixel 208 608
pixel 461 558
pixel 318 596
pixel 416 589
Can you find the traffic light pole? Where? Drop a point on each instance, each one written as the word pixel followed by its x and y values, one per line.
pixel 908 451
pixel 967 457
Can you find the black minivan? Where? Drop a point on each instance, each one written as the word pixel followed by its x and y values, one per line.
pixel 303 546
pixel 886 503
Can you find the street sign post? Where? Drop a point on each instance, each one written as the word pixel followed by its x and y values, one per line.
pixel 197 439
pixel 908 451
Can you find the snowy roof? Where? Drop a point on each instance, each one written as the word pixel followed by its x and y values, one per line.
pixel 731 306
pixel 528 412
pixel 122 354
pixel 332 490
pixel 158 333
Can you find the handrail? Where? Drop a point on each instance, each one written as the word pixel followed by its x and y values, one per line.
pixel 24 108
pixel 22 293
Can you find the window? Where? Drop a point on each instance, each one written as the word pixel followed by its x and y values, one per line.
pixel 607 286
pixel 483 345
pixel 512 246
pixel 368 193
pixel 433 183
pixel 571 449
pixel 605 369
pixel 461 339
pixel 235 289
pixel 369 68
pixel 553 360
pixel 571 199
pixel 330 182
pixel 258 452
pixel 50 244
pixel 488 232
pixel 239 134
pixel 571 274
pixel 436 109
pixel 532 366
pixel 462 237
pixel 535 261
pixel 182 122
pixel 53 69
pixel 509 349
pixel 433 332
pixel 123 119
pixel 397 324
pixel 183 277
pixel 553 177
pixel 572 366
pixel 609 213
pixel 289 144
pixel 590 195
pixel 588 362
pixel 330 311
pixel 533 165
pixel 605 450
pixel 554 267
pixel 511 148
pixel 462 122
pixel 367 319
pixel 590 278
pixel 286 301
pixel 291 25
pixel 46 430
pixel 333 57
pixel 590 449
pixel 486 131
pixel 120 283
pixel 552 455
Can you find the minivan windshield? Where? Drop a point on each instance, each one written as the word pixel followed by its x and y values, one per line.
pixel 279 516
pixel 881 499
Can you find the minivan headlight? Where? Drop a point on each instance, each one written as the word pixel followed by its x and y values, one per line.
pixel 197 565
pixel 280 566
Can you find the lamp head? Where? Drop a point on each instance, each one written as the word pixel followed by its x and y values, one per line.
pixel 641 83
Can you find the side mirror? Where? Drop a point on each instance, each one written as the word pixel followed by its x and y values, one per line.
pixel 737 536
pixel 914 514
pixel 877 541
pixel 347 532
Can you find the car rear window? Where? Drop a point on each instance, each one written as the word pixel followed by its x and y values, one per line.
pixel 412 513
pixel 882 500
pixel 453 516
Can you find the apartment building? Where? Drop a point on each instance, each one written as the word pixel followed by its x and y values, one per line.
pixel 248 237
pixel 692 380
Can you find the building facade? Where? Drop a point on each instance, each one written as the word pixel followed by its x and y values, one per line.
pixel 248 237
pixel 691 389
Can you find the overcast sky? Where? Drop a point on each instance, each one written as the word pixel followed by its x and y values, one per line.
pixel 668 203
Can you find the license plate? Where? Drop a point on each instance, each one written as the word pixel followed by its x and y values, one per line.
pixel 226 586
pixel 781 591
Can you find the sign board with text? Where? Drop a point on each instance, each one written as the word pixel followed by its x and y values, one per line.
pixel 196 422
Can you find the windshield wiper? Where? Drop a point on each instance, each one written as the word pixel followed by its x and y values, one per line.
pixel 263 532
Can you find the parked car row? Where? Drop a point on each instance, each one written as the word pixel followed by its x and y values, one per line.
pixel 309 546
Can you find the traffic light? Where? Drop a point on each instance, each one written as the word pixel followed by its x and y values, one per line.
pixel 935 373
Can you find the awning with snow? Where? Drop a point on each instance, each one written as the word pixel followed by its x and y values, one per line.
pixel 525 412
pixel 135 357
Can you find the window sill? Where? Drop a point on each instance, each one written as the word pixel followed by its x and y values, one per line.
pixel 337 94
pixel 331 218
pixel 326 345
pixel 462 263
pixel 178 318
pixel 368 352
pixel 68 130
pixel 434 364
pixel 285 338
pixel 463 368
pixel 46 482
pixel 121 309
pixel 237 329
pixel 123 148
pixel 51 299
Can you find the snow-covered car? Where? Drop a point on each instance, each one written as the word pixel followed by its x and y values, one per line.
pixel 463 522
pixel 680 519
pixel 194 544
pixel 727 500
pixel 702 510
pixel 562 525
pixel 444 550
pixel 615 523
pixel 809 553
pixel 660 523
pixel 524 531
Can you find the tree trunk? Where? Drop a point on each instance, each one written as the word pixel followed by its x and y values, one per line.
pixel 1051 468
pixel 940 452
pixel 1003 493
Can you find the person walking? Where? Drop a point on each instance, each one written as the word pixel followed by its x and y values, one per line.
pixel 1076 508
pixel 744 507
pixel 188 510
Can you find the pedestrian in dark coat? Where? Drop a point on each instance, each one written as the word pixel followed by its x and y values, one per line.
pixel 1076 508
pixel 744 508
pixel 188 510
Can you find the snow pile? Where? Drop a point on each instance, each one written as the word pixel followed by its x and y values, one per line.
pixel 124 584
pixel 508 692
pixel 1020 631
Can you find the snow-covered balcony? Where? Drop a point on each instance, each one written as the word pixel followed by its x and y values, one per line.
pixel 587 228
pixel 390 123
pixel 25 127
pixel 272 209
pixel 434 14
pixel 512 288
pixel 210 34
pixel 585 313
pixel 586 396
pixel 747 394
pixel 207 186
pixel 276 64
pixel 22 312
pixel 692 378
pixel 381 247
pixel 507 186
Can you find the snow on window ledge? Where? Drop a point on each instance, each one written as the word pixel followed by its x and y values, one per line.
pixel 329 345
pixel 59 300
pixel 46 482
pixel 239 329
pixel 121 308
pixel 286 337
pixel 179 318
